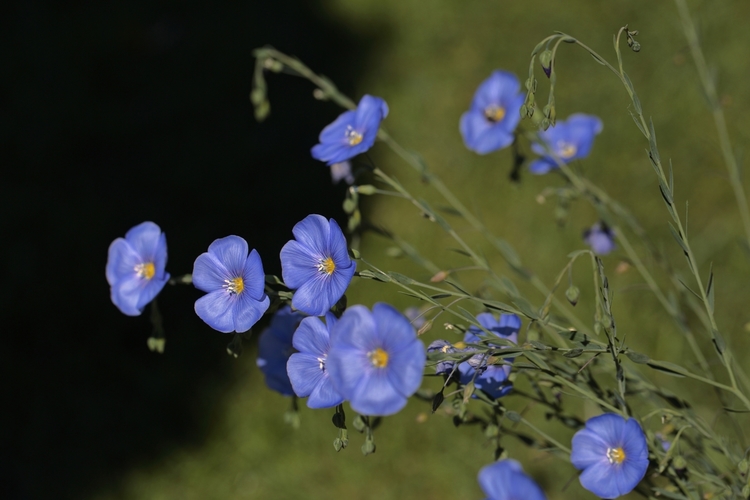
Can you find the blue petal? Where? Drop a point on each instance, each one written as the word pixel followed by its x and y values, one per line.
pixel 492 139
pixel 313 232
pixel 151 289
pixel 634 441
pixel 324 395
pixel 304 373
pixel 609 427
pixel 498 86
pixel 355 330
pixel 126 295
pixel 406 367
pixel 376 396
pixel 160 256
pixel 600 242
pixel 144 238
pixel 370 112
pixel 216 309
pixel 602 479
pixel 505 480
pixel 253 277
pixel 587 449
pixel 346 368
pixel 298 264
pixel 335 132
pixel 542 166
pixel 209 274
pixel 472 125
pixel 337 247
pixel 231 252
pixel 394 331
pixel 315 297
pixel 248 310
pixel 332 153
pixel 311 337
pixel 121 261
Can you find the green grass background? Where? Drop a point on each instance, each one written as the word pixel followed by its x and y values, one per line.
pixel 432 57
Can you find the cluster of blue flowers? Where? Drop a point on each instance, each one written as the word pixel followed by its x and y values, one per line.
pixel 373 359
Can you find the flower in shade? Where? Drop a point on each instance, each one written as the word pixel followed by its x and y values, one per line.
pixel 569 140
pixel 487 376
pixel 275 347
pixel 612 453
pixel 316 264
pixel 444 366
pixel 376 360
pixel 352 133
pixel 135 267
pixel 506 480
pixel 342 170
pixel 307 367
pixel 235 284
pixel 600 238
pixel 494 113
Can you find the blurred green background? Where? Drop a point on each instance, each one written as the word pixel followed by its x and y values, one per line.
pixel 426 59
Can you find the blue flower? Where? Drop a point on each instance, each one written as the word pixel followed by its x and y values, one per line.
pixel 569 140
pixel 491 378
pixel 612 453
pixel 352 133
pixel 135 268
pixel 506 480
pixel 275 347
pixel 376 360
pixel 445 366
pixel 307 368
pixel 600 238
pixel 494 113
pixel 235 284
pixel 316 264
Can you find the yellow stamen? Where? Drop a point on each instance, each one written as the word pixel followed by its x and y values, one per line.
pixel 327 266
pixel 615 455
pixel 566 150
pixel 353 136
pixel 378 358
pixel 494 113
pixel 145 270
pixel 235 285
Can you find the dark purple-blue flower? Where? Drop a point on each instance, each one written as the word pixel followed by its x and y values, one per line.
pixel 316 265
pixel 612 453
pixel 275 347
pixel 352 133
pixel 135 268
pixel 307 367
pixel 376 360
pixel 494 113
pixel 570 140
pixel 234 282
pixel 487 376
pixel 445 366
pixel 600 238
pixel 506 480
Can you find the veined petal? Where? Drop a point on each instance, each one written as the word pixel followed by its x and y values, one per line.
pixel 150 289
pixel 588 448
pixel 216 309
pixel 311 337
pixel 313 232
pixel 335 132
pixel 634 441
pixel 247 310
pixel 346 368
pixel 144 238
pixel 160 256
pixel 601 479
pixel 121 261
pixel 506 480
pixel 370 112
pixel 393 329
pixel 316 296
pixel 298 264
pixel 126 294
pixel 324 395
pixel 337 247
pixel 304 373
pixel 209 274
pixel 609 427
pixel 376 396
pixel 355 330
pixel 253 277
pixel 231 251
pixel 406 367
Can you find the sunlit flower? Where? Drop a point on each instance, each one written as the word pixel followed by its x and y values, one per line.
pixel 487 376
pixel 600 238
pixel 506 480
pixel 352 133
pixel 135 268
pixel 570 140
pixel 275 347
pixel 612 453
pixel 494 113
pixel 307 367
pixel 376 360
pixel 316 264
pixel 342 170
pixel 235 284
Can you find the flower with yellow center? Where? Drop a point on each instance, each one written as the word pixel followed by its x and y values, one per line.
pixel 145 270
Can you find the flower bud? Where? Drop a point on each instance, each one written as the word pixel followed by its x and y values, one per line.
pixel 545 59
